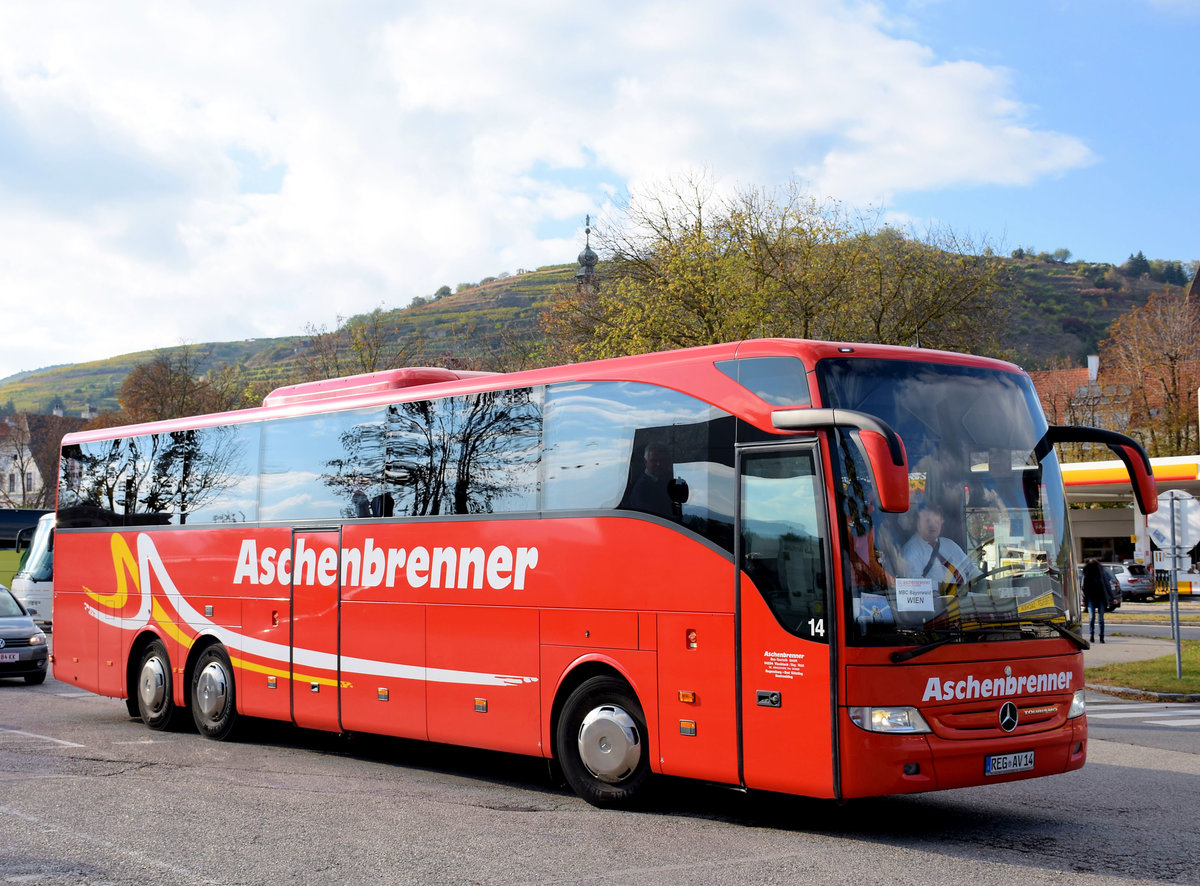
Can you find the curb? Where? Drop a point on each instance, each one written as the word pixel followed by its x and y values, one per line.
pixel 1125 692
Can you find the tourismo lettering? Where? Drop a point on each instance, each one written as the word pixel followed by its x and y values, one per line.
pixel 371 566
pixel 996 687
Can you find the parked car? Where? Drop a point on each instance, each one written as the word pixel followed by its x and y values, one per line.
pixel 1136 581
pixel 23 651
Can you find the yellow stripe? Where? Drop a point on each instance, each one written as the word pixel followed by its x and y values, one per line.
pixel 287 675
pixel 168 626
pixel 122 556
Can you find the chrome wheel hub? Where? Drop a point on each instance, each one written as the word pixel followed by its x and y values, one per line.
pixel 212 688
pixel 152 684
pixel 609 743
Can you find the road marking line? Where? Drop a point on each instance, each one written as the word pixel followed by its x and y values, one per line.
pixel 1132 715
pixel 1193 721
pixel 68 744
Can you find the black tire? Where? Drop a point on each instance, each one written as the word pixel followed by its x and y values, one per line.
pixel 601 743
pixel 154 691
pixel 213 695
pixel 35 679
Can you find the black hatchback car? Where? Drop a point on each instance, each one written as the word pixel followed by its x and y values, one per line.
pixel 23 651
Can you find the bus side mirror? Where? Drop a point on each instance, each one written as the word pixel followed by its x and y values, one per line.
pixel 882 446
pixel 1131 453
pixel 891 479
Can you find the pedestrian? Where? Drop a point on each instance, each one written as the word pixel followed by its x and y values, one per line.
pixel 1095 594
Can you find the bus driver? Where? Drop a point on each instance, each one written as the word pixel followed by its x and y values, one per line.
pixel 930 555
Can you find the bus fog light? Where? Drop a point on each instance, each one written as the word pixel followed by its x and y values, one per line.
pixel 1078 706
pixel 894 720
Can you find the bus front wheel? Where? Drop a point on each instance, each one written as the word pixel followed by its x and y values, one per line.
pixel 155 698
pixel 601 743
pixel 213 696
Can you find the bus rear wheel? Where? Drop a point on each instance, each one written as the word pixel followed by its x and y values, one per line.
pixel 155 697
pixel 601 743
pixel 213 697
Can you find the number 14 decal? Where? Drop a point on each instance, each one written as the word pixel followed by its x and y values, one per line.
pixel 816 627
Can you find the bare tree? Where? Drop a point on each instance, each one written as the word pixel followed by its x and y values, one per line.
pixel 20 478
pixel 365 343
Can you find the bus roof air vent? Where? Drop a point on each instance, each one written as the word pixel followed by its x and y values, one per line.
pixel 367 383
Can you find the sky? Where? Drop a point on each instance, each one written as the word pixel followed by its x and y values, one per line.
pixel 190 172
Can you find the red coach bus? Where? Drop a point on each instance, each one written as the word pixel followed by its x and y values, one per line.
pixel 782 565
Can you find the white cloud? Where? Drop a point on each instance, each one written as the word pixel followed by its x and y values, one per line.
pixel 206 171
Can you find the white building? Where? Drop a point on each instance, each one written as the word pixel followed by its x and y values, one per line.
pixel 20 480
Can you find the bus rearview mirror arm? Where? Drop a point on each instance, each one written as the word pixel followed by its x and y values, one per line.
pixel 883 447
pixel 1130 451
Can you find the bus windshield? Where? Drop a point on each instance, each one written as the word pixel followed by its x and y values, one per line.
pixel 983 551
pixel 37 562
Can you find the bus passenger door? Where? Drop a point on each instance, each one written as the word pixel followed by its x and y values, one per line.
pixel 786 693
pixel 316 585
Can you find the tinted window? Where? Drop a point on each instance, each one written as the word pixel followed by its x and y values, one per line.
pixel 203 475
pixel 474 454
pixel 321 466
pixel 640 447
pixel 90 485
pixel 780 381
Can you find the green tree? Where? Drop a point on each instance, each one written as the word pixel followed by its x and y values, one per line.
pixel 1172 273
pixel 1136 265
pixel 686 267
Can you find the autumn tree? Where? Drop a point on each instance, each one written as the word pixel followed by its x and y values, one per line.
pixel 686 267
pixel 176 383
pixel 45 441
pixel 1154 354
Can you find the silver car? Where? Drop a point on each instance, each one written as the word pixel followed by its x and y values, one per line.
pixel 23 651
pixel 1136 581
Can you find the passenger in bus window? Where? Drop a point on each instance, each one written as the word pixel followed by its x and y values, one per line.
pixel 928 554
pixel 383 505
pixel 650 492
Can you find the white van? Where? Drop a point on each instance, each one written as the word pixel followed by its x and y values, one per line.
pixel 33 583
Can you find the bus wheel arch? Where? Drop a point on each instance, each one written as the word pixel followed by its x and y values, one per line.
pixel 600 736
pixel 212 691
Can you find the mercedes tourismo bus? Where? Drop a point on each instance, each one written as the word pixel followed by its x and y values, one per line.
pixel 709 563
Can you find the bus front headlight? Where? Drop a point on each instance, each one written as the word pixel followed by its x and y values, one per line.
pixel 891 720
pixel 1078 706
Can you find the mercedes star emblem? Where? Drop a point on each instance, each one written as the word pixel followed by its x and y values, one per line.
pixel 1008 716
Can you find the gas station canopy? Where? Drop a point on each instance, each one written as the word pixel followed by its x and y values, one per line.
pixel 1095 481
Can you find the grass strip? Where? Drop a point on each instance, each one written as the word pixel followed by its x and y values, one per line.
pixel 1153 675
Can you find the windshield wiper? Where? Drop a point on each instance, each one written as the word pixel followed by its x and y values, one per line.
pixel 905 654
pixel 1063 632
